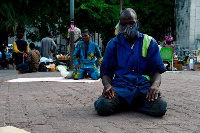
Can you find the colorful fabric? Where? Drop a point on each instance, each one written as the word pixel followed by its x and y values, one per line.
pixel 169 38
pixel 8 55
pixel 33 60
pixel 88 56
pixel 79 74
pixel 92 52
pixel 127 66
pixel 20 45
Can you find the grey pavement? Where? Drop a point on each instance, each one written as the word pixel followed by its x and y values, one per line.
pixel 55 107
pixel 7 72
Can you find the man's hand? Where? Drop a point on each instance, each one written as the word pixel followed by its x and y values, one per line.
pixel 77 67
pixel 25 55
pixel 108 92
pixel 153 93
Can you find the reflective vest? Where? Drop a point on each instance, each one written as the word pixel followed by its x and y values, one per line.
pixel 146 43
pixel 145 46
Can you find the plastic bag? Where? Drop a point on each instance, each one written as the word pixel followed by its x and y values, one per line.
pixel 45 60
pixel 66 74
pixel 59 67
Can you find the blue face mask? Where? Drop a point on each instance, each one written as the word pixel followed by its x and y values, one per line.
pixel 129 32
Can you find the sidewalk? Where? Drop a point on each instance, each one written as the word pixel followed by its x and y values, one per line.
pixel 59 107
pixel 8 72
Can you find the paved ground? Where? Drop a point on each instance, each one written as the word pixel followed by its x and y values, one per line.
pixel 52 107
pixel 7 72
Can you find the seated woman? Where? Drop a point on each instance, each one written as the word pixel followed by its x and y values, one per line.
pixel 33 58
pixel 168 43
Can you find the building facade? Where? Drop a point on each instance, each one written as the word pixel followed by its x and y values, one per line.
pixel 187 20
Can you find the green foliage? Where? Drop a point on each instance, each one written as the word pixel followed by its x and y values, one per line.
pixel 154 15
pixel 13 17
pixel 6 15
pixel 96 15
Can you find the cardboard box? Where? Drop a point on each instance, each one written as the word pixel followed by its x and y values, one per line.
pixel 197 67
pixel 178 66
pixel 175 61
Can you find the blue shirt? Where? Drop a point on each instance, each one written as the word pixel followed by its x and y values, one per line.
pixel 126 65
pixel 85 55
pixel 8 55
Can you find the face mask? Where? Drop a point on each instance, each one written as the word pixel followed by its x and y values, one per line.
pixel 129 32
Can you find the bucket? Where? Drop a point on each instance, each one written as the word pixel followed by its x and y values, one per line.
pixel 52 69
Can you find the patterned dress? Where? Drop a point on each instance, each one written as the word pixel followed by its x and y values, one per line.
pixel 33 60
pixel 89 57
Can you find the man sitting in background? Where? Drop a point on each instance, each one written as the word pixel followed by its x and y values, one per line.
pixel 33 58
pixel 84 58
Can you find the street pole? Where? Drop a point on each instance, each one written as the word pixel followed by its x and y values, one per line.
pixel 121 2
pixel 60 33
pixel 71 33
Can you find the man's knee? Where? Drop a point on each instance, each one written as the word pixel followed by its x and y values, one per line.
pixel 103 107
pixel 95 75
pixel 159 108
pixel 77 74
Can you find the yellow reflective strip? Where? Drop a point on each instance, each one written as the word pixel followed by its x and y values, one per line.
pixel 147 77
pixel 146 43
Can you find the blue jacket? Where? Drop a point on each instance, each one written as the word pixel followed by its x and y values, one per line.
pixel 126 65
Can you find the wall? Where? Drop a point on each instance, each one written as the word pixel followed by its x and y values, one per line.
pixel 195 24
pixel 187 18
pixel 182 20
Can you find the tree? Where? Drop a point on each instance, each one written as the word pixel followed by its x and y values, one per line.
pixel 46 16
pixel 39 17
pixel 98 16
pixel 154 16
pixel 12 18
pixel 102 16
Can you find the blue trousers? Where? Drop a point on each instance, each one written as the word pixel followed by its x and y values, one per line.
pixel 79 74
pixel 105 106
